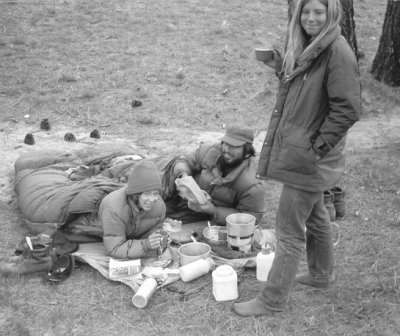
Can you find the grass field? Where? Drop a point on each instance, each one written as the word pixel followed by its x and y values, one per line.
pixel 191 64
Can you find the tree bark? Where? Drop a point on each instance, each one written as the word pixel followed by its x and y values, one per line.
pixel 347 23
pixel 348 26
pixel 386 64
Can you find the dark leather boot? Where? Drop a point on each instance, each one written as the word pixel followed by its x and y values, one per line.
pixel 339 201
pixel 39 259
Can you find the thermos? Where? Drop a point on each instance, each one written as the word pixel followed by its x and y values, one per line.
pixel 196 269
pixel 144 293
pixel 225 283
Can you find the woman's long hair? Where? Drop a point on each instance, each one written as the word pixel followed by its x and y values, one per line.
pixel 298 41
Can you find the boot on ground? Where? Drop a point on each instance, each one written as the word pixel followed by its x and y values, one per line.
pixel 33 261
pixel 339 201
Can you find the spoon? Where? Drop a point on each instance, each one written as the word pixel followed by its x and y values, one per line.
pixel 29 243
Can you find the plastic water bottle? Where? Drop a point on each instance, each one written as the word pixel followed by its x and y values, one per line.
pixel 225 283
pixel 196 269
pixel 144 293
pixel 264 261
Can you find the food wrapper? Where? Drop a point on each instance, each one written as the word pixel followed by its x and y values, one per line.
pixel 189 189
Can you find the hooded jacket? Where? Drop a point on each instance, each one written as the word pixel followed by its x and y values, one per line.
pixel 316 105
pixel 125 226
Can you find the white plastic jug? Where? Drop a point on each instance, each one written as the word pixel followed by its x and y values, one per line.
pixel 264 262
pixel 225 283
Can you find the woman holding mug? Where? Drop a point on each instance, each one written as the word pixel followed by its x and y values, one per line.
pixel 319 99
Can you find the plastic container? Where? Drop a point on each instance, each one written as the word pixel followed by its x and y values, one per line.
pixel 225 283
pixel 264 261
pixel 196 269
pixel 144 293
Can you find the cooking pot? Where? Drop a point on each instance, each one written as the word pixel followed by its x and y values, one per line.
pixel 193 251
pixel 240 225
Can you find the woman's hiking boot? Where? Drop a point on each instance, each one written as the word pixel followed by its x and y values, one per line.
pixel 328 200
pixel 338 201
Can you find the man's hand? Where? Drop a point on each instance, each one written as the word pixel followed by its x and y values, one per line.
pixel 207 208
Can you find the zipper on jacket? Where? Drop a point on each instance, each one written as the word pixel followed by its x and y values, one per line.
pixel 283 122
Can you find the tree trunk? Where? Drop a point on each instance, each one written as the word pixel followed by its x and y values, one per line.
pixel 347 23
pixel 386 64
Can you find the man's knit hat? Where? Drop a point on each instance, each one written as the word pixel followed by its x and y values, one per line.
pixel 238 136
pixel 143 177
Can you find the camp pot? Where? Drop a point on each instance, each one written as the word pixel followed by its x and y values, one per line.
pixel 240 225
pixel 193 251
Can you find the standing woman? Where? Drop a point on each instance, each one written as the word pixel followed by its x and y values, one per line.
pixel 130 215
pixel 319 99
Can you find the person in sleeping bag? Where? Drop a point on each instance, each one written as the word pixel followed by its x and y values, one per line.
pixel 130 216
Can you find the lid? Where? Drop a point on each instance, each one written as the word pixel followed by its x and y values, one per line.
pixel 266 249
pixel 224 270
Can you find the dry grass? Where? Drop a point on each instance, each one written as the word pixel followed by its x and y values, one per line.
pixel 191 64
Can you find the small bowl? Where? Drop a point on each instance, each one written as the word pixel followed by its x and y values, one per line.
pixel 215 235
pixel 193 251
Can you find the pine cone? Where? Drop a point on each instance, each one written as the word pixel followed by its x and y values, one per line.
pixel 95 134
pixel 69 137
pixel 45 125
pixel 29 139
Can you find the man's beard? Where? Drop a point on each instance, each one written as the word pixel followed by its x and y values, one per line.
pixel 229 165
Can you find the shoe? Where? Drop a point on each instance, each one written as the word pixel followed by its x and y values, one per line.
pixel 61 268
pixel 328 201
pixel 305 279
pixel 37 259
pixel 338 201
pixel 253 307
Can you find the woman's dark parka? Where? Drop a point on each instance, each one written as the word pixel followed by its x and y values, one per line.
pixel 316 105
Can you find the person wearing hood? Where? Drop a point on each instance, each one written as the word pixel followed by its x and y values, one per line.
pixel 130 216
pixel 319 99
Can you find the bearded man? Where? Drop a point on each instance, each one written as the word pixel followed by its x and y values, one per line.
pixel 226 172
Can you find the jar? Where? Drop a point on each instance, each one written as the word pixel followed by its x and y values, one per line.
pixel 225 283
